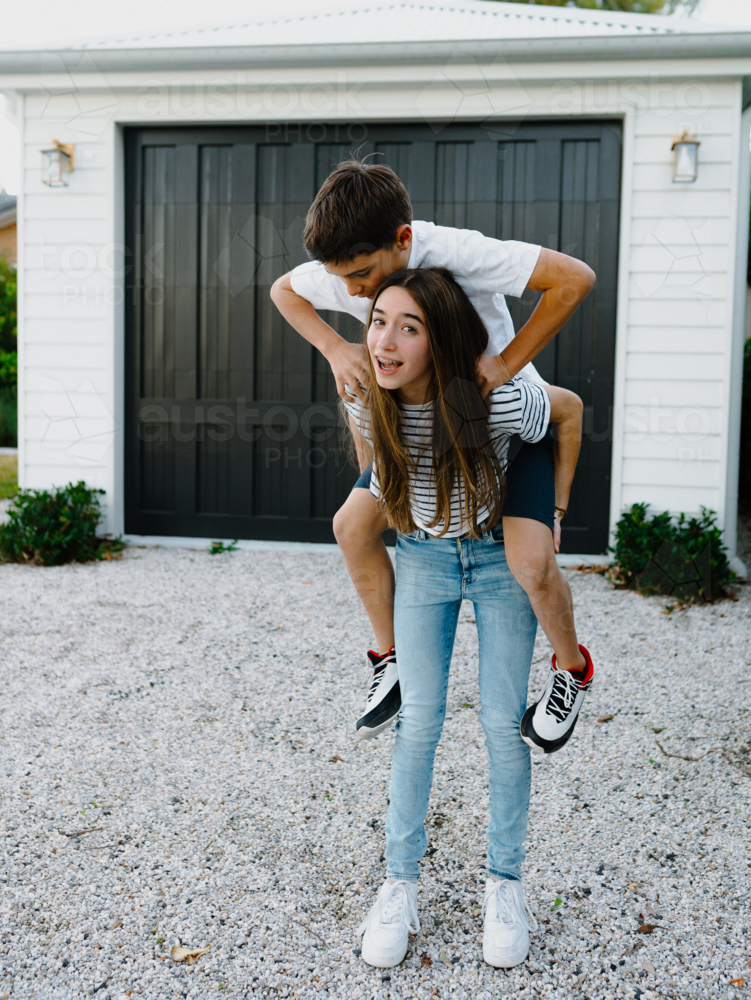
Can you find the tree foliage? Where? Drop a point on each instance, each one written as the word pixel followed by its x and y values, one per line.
pixel 627 6
pixel 7 306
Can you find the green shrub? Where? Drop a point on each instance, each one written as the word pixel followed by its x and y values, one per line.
pixel 48 529
pixel 682 557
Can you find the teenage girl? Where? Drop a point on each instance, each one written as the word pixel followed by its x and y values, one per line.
pixel 439 455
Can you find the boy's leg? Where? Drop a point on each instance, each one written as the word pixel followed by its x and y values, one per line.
pixel 528 535
pixel 531 558
pixel 358 527
pixel 428 599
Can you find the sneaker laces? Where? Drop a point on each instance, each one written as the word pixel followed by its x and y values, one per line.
pixel 394 905
pixel 378 671
pixel 563 695
pixel 377 678
pixel 505 901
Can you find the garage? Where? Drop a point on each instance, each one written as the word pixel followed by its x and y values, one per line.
pixel 232 423
pixel 151 361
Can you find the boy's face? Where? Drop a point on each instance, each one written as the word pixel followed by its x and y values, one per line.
pixel 363 273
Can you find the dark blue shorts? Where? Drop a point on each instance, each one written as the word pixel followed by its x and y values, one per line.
pixel 530 487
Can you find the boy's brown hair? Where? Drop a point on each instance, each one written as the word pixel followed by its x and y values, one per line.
pixel 358 209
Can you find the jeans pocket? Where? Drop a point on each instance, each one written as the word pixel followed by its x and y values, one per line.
pixel 408 536
pixel 496 535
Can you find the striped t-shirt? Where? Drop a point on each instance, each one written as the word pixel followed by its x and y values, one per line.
pixel 518 407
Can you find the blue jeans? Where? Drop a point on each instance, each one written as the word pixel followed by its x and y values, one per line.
pixel 433 575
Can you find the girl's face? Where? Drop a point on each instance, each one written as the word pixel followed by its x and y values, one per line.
pixel 399 346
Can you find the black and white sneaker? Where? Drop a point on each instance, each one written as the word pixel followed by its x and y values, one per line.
pixel 547 725
pixel 384 696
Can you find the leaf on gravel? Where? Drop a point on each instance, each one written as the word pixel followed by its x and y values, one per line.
pixel 336 757
pixel 662 730
pixel 604 718
pixel 634 946
pixel 737 982
pixel 646 928
pixel 425 961
pixel 188 955
pixel 649 968
pixel 446 959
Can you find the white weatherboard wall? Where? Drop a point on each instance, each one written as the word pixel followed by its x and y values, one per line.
pixel 673 405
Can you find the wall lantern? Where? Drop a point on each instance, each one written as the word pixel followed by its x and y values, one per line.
pixel 56 163
pixel 686 167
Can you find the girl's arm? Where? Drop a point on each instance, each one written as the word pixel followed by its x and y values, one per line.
pixel 566 413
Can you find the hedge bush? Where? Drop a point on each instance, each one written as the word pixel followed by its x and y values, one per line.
pixel 51 528
pixel 682 557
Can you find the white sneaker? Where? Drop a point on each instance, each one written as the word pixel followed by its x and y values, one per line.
pixel 387 927
pixel 547 725
pixel 508 920
pixel 384 696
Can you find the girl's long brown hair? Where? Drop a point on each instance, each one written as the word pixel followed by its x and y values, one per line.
pixel 463 456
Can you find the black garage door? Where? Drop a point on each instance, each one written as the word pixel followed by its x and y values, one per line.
pixel 232 423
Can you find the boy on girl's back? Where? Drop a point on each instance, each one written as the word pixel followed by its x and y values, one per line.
pixel 359 231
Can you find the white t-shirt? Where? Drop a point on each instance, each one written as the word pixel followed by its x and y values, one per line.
pixel 486 269
pixel 518 407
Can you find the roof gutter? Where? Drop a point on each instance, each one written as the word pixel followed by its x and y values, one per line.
pixel 514 50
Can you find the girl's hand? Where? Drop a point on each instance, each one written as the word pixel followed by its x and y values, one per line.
pixel 557 533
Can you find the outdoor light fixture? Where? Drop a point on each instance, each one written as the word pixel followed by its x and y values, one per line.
pixel 56 163
pixel 686 167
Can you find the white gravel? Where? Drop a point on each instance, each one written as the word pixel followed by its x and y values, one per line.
pixel 196 713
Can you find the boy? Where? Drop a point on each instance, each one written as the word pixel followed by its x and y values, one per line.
pixel 359 230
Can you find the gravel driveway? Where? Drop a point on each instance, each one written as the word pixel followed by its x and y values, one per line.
pixel 192 716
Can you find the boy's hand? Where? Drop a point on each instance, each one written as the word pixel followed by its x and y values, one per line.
pixel 349 365
pixel 492 372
